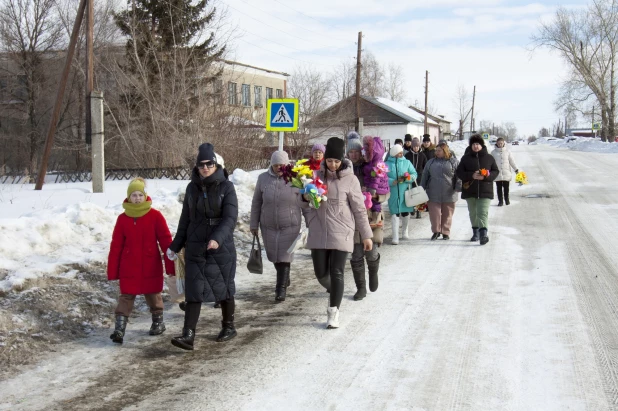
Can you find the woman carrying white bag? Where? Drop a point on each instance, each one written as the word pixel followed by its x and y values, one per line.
pixel 401 176
pixel 441 183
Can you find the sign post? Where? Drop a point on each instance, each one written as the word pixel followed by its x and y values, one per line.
pixel 282 116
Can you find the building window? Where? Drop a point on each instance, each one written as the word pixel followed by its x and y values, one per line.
pixel 269 93
pixel 279 93
pixel 258 96
pixel 246 95
pixel 232 98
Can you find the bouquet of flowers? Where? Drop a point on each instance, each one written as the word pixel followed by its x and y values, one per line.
pixel 521 178
pixel 301 176
pixel 379 170
pixel 484 172
pixel 407 176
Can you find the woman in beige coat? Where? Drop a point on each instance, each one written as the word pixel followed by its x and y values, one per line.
pixel 276 209
pixel 332 225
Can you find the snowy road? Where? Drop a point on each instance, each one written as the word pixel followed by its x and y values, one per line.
pixel 528 322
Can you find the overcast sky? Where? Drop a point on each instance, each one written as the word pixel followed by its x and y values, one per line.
pixel 484 43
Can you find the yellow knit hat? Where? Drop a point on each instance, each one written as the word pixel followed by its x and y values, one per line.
pixel 138 184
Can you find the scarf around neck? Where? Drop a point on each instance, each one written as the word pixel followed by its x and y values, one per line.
pixel 137 210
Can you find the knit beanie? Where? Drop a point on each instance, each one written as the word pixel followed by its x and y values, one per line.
pixel 396 149
pixel 443 142
pixel 279 157
pixel 137 184
pixel 206 152
pixel 408 137
pixel 335 148
pixel 476 138
pixel 318 147
pixel 399 141
pixel 426 137
pixel 354 142
pixel 416 142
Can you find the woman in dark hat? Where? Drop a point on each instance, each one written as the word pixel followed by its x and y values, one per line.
pixel 429 149
pixel 332 225
pixel 407 144
pixel 205 230
pixel 477 171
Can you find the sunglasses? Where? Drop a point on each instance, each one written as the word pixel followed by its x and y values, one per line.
pixel 207 164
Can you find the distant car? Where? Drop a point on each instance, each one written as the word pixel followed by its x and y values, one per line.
pixel 570 138
pixel 515 143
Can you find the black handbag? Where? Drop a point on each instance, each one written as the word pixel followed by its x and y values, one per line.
pixel 254 265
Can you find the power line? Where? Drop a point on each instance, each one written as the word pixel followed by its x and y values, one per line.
pixel 292 48
pixel 278 29
pixel 306 15
pixel 283 55
pixel 293 24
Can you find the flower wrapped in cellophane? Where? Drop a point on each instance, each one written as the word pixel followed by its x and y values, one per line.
pixel 301 176
pixel 521 178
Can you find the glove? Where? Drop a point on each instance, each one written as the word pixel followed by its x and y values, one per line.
pixel 171 255
pixel 516 171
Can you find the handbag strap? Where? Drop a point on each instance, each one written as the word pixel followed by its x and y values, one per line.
pixel 258 241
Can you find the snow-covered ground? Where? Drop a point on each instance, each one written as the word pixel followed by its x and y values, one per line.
pixel 527 322
pixel 591 145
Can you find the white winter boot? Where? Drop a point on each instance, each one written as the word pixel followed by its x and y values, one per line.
pixel 404 227
pixel 395 224
pixel 333 317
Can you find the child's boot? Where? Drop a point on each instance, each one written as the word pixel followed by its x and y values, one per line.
pixel 158 326
pixel 121 325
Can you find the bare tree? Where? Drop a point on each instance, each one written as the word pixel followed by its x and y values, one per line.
pixel 29 36
pixel 372 76
pixel 587 40
pixel 463 104
pixel 394 86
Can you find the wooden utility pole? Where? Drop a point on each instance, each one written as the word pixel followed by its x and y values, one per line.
pixel 472 117
pixel 426 92
pixel 53 122
pixel 89 67
pixel 358 80
pixel 461 125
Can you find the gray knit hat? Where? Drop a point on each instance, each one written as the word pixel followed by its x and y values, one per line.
pixel 416 142
pixel 279 157
pixel 354 142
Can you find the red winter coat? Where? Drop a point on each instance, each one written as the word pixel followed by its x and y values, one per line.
pixel 134 256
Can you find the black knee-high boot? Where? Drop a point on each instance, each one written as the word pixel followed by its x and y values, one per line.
pixel 283 280
pixel 192 315
pixel 227 324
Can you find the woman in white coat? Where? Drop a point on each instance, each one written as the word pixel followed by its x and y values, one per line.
pixel 505 162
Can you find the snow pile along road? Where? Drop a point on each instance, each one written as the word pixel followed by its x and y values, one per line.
pixel 65 224
pixel 587 144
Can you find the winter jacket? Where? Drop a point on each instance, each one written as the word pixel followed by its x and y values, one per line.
pixel 505 162
pixel 418 160
pixel 276 210
pixel 378 230
pixel 209 212
pixel 332 225
pixel 397 167
pixel 134 255
pixel 314 164
pixel 429 152
pixel 438 179
pixel 374 152
pixel 471 162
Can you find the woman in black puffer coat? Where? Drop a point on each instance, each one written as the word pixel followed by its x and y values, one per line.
pixel 205 229
pixel 478 189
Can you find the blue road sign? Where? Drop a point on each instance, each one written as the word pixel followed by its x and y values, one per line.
pixel 282 115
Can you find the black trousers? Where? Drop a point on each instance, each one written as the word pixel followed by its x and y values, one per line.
pixel 192 312
pixel 329 266
pixel 503 190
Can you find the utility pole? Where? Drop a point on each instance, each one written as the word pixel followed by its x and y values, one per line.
pixel 53 122
pixel 472 117
pixel 461 125
pixel 358 81
pixel 89 67
pixel 426 93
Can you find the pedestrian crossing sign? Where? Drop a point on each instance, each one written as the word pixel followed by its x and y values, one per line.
pixel 282 114
pixel 486 136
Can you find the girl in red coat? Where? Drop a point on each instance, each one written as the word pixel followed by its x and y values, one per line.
pixel 135 258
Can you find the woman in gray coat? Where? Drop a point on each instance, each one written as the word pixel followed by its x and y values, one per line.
pixel 332 225
pixel 440 181
pixel 276 209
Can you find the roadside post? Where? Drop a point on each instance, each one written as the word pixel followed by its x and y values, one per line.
pixel 282 116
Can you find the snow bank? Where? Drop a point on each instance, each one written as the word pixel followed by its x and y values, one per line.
pixel 44 232
pixel 580 144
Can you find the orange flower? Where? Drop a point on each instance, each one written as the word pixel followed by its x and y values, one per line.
pixel 484 172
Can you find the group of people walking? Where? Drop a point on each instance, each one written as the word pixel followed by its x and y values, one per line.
pixel 350 221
